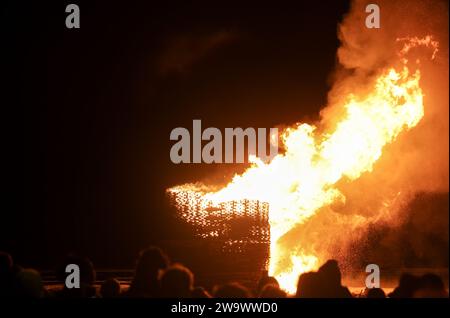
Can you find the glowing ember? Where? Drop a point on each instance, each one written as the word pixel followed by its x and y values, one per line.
pixel 299 182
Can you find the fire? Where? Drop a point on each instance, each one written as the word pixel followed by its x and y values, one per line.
pixel 302 180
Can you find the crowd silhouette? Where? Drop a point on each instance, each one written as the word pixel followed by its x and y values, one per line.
pixel 155 277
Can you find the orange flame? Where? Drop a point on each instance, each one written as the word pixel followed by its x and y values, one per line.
pixel 303 179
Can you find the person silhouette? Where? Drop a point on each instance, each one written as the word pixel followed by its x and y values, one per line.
pixel 110 288
pixel 408 284
pixel 150 263
pixel 177 282
pixel 330 278
pixel 430 286
pixel 87 278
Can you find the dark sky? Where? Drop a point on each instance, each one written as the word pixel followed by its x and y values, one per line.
pixel 96 106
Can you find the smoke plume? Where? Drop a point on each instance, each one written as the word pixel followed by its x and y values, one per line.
pixel 381 216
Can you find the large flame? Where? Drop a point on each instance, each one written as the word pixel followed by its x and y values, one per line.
pixel 302 180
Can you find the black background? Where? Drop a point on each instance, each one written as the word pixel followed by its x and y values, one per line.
pixel 95 110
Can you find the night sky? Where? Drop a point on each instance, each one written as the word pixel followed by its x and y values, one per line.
pixel 96 106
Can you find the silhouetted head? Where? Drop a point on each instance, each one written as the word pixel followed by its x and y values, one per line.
pixel 110 288
pixel 408 284
pixel 272 291
pixel 266 280
pixel 231 290
pixel 87 271
pixel 29 284
pixel 330 272
pixel 308 285
pixel 430 286
pixel 177 281
pixel 375 293
pixel 152 259
pixel 150 262
pixel 431 281
pixel 87 277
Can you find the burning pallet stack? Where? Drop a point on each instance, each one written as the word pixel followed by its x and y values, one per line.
pixel 235 230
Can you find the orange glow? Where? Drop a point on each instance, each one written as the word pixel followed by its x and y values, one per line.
pixel 302 180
